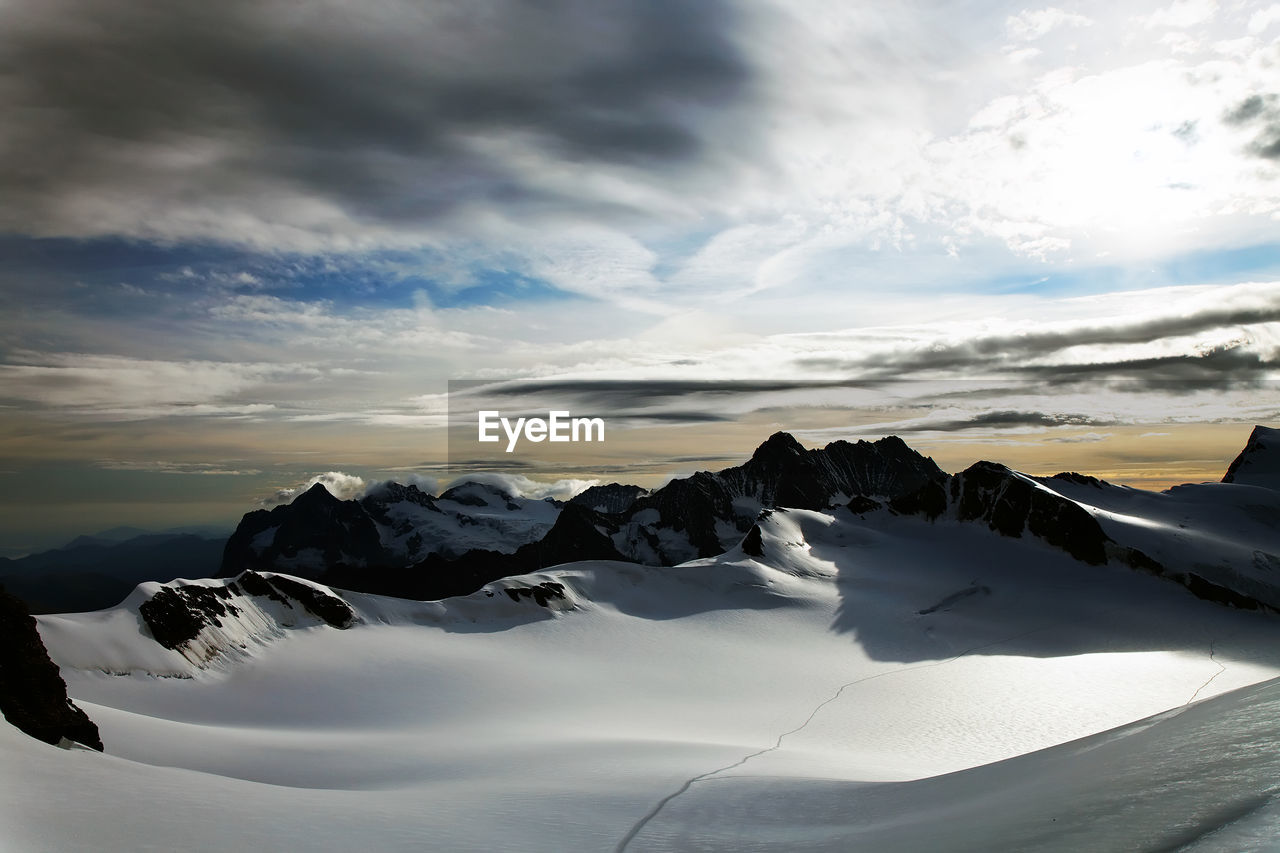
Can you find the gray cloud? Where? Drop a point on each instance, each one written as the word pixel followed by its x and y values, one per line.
pixel 1009 419
pixel 1261 111
pixel 1012 351
pixel 630 394
pixel 391 111
pixel 1178 374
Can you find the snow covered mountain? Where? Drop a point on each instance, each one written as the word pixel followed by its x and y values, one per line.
pixel 402 541
pixel 984 661
pixel 859 678
pixel 392 527
pixel 702 515
pixel 1259 463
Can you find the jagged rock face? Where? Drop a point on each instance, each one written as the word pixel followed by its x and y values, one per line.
pixel 544 593
pixel 349 543
pixel 1259 463
pixel 178 615
pixel 783 473
pixel 1080 479
pixel 930 501
pixel 392 527
pixel 711 511
pixel 689 506
pixel 1011 504
pixel 613 498
pixel 1210 591
pixel 304 537
pixel 578 534
pixel 861 504
pixel 33 696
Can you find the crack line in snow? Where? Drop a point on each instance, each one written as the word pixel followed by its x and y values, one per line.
pixel 689 783
pixel 1221 669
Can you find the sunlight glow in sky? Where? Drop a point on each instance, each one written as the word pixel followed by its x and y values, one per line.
pixel 246 243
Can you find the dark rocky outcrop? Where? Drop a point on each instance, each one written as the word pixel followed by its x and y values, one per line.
pixel 1011 504
pixel 783 473
pixel 578 534
pixel 542 593
pixel 613 522
pixel 316 524
pixel 612 498
pixel 1210 591
pixel 393 526
pixel 33 696
pixel 175 615
pixel 330 609
pixel 930 501
pixel 1080 479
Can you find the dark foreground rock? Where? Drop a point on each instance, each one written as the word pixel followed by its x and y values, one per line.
pixel 33 696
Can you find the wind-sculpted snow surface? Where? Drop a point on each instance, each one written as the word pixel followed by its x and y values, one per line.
pixel 601 704
pixel 1219 540
pixel 989 661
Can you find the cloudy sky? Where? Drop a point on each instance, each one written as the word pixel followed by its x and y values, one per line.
pixel 248 243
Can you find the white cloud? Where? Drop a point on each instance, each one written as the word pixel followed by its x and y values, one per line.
pixel 1029 25
pixel 1263 19
pixel 116 386
pixel 167 467
pixel 1182 14
pixel 339 484
pixel 521 486
pixel 422 482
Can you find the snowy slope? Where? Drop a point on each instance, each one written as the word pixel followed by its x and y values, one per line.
pixel 1201 778
pixel 470 515
pixel 1227 533
pixel 603 705
pixel 1259 463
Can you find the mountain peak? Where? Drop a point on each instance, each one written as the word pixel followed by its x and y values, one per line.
pixel 779 445
pixel 1259 463
pixel 317 495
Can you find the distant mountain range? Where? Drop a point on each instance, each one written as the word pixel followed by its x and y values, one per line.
pixel 97 571
pixel 865 558
pixel 401 541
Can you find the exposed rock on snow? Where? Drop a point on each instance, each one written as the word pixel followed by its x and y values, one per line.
pixel 544 593
pixel 401 541
pixel 202 621
pixel 33 696
pixel 610 498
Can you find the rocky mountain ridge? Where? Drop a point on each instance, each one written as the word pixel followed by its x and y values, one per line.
pixel 353 544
